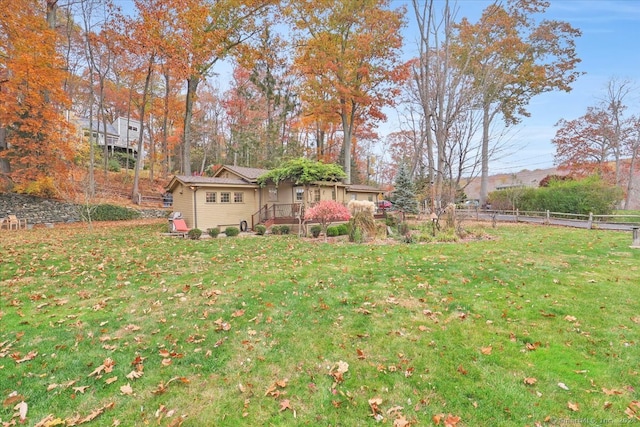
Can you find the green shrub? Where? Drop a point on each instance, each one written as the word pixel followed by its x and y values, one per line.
pixel 332 231
pixel 231 231
pixel 568 196
pixel 107 212
pixel 280 229
pixel 125 160
pixel 343 229
pixel 213 232
pixel 316 230
pixel 113 165
pixel 194 233
pixel 260 229
pixel 390 220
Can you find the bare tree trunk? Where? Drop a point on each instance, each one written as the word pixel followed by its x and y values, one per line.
pixel 632 167
pixel 140 154
pixel 192 87
pixel 52 10
pixel 484 156
pixel 165 119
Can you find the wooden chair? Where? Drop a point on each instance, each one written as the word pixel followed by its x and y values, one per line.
pixel 15 222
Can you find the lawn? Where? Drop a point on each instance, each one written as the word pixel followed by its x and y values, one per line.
pixel 121 326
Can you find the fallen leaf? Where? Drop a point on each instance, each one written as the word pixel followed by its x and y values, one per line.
pixel 570 318
pixel 111 380
pixel 22 409
pixel 13 398
pixel 50 421
pixel 81 390
pixel 573 406
pixel 338 370
pixel 451 421
pixel 285 404
pixel 135 374
pixel 394 410
pixel 462 370
pixel 530 381
pixel 126 389
pixel 610 392
pixel 401 422
pixel 376 412
pixel 29 356
pixel 486 350
pixel 563 386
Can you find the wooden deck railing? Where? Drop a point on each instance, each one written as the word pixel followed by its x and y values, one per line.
pixel 286 211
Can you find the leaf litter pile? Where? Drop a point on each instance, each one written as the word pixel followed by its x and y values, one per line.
pixel 122 326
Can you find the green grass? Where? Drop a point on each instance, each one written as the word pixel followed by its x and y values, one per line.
pixel 250 331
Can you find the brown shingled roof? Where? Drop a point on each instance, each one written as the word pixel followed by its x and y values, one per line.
pixel 250 174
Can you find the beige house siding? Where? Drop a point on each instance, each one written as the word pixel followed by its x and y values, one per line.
pixel 224 214
pixel 183 203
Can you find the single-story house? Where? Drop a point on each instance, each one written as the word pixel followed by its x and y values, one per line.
pixel 232 197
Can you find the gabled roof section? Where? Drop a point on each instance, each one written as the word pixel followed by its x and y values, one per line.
pixel 205 181
pixel 363 188
pixel 248 174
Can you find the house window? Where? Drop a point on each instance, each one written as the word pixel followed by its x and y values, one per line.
pixel 273 194
pixel 238 197
pixel 299 194
pixel 333 194
pixel 133 128
pixel 210 197
pixel 354 197
pixel 225 197
pixel 370 198
pixel 316 195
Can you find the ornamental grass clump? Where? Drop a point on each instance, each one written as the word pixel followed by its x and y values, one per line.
pixel 362 223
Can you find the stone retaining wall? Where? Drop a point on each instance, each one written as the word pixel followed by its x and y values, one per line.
pixel 39 211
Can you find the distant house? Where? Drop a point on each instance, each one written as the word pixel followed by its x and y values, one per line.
pixel 121 135
pixel 232 197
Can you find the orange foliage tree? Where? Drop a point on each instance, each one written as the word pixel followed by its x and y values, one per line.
pixel 349 58
pixel 35 142
pixel 514 57
pixel 196 34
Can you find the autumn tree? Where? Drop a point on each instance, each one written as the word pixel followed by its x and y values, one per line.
pixel 326 212
pixel 599 141
pixel 512 58
pixel 197 34
pixel 349 57
pixel 270 73
pixel 34 143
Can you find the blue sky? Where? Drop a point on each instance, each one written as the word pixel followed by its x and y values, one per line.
pixel 609 47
